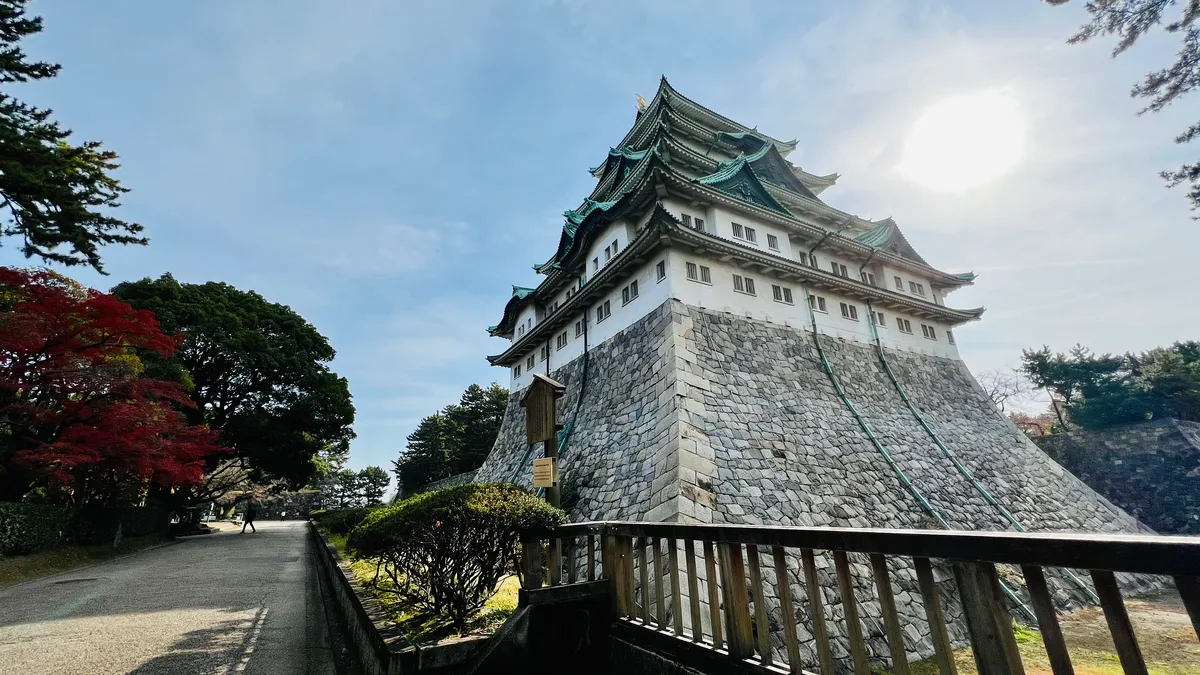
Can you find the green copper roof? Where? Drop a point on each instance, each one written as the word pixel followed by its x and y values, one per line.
pixel 735 177
pixel 624 153
pixel 576 216
pixel 888 237
pixel 751 140
pixel 520 292
pixel 965 276
pixel 879 235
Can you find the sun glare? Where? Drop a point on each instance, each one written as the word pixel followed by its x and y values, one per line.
pixel 964 141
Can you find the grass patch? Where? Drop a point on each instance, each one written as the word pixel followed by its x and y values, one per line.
pixel 420 628
pixel 1163 629
pixel 18 568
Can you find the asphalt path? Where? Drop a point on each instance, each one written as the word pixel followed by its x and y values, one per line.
pixel 220 604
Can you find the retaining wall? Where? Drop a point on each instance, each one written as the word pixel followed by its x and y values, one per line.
pixel 380 646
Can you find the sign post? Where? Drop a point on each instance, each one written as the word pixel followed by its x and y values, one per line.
pixel 541 426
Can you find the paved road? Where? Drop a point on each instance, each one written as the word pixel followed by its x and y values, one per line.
pixel 222 604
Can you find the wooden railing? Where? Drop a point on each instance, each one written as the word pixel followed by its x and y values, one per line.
pixel 722 587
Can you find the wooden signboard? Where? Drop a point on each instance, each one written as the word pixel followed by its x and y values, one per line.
pixel 545 472
pixel 539 400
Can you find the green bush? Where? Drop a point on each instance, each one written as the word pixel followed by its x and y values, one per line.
pixel 25 528
pixel 342 521
pixel 446 551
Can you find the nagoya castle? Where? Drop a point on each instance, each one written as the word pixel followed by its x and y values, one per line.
pixel 735 349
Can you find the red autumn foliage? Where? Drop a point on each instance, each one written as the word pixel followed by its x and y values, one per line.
pixel 71 392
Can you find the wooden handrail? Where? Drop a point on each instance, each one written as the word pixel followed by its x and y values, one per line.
pixel 737 577
pixel 1136 553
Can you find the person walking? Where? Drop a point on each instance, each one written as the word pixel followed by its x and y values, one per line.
pixel 251 512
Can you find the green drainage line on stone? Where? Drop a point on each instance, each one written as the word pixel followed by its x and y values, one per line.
pixel 565 437
pixel 963 470
pixel 903 478
pixel 837 385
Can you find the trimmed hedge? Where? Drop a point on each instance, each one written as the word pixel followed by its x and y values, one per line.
pixel 445 552
pixel 26 528
pixel 93 527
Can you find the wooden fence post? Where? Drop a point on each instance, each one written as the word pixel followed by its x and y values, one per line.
pixel 988 622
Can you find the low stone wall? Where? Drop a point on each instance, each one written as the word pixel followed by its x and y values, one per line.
pixel 1151 469
pixel 379 645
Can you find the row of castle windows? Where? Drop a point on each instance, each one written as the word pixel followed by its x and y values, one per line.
pixel 783 294
pixel 741 284
pixel 750 235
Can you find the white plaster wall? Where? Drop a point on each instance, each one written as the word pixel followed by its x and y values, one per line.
pixel 651 294
pixel 618 231
pixel 762 306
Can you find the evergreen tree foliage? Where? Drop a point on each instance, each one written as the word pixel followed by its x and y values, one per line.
pixel 372 482
pixel 454 440
pixel 1096 392
pixel 1129 20
pixel 256 371
pixel 53 194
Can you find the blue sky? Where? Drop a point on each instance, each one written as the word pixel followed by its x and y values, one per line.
pixel 389 169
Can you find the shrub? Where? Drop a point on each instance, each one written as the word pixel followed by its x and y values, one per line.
pixel 342 521
pixel 446 551
pixel 25 528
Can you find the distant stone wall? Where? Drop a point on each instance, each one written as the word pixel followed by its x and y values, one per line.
pixel 451 481
pixel 694 415
pixel 1151 469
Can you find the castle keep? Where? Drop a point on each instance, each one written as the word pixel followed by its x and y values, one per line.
pixel 736 350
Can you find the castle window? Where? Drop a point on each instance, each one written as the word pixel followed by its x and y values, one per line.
pixel 903 325
pixel 738 231
pixel 603 311
pixel 929 332
pixel 629 293
pixel 803 258
pixel 743 284
pixel 817 303
pixel 595 265
pixel 899 283
pixel 781 294
pixel 705 275
pixel 950 336
pixel 661 269
pixel 744 233
pixel 772 242
pixel 616 246
pixel 849 312
pixel 529 362
pixel 812 260
pixel 917 289
pixel 579 328
pixel 879 320
pixel 699 273
pixel 516 370
pixel 750 235
pixel 839 269
pixel 544 352
pixel 607 253
pixel 868 278
pixel 685 219
pixel 520 330
pixel 699 224
pixel 561 340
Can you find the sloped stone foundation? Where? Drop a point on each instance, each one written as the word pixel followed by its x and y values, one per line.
pixel 702 416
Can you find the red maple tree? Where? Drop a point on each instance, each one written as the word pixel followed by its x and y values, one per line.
pixel 74 406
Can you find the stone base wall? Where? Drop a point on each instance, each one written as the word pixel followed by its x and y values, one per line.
pixel 1152 469
pixel 693 415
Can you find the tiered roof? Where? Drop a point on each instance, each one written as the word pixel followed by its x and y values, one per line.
pixel 679 147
